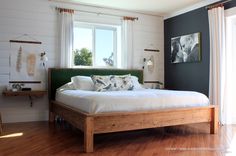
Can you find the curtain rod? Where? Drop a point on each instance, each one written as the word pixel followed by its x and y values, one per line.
pixel 99 13
pixel 217 4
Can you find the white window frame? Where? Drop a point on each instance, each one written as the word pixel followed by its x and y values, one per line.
pixel 95 26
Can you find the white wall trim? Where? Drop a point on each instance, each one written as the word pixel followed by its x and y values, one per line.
pixel 190 8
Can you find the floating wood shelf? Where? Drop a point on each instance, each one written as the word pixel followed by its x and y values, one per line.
pixel 158 82
pixel 30 94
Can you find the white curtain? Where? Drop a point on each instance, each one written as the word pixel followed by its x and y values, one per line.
pixel 228 97
pixel 127 45
pixel 66 18
pixel 217 56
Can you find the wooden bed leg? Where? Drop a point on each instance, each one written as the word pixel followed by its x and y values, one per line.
pixel 214 124
pixel 88 134
pixel 51 117
pixel 1 131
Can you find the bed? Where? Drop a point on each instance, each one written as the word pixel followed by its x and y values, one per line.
pixel 97 122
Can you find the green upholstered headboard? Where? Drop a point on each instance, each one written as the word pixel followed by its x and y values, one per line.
pixel 60 76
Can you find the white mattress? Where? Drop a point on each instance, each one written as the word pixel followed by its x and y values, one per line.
pixel 129 101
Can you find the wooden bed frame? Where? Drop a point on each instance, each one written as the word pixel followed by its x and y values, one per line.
pixel 92 124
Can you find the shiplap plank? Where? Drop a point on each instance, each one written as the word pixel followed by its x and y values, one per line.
pixel 28 23
pixel 27 30
pixel 4 79
pixel 5 37
pixel 28 6
pixel 4 62
pixel 4 70
pixel 4 54
pixel 145 28
pixel 28 16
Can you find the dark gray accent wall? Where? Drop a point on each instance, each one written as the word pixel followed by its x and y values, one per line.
pixel 189 76
pixel 230 4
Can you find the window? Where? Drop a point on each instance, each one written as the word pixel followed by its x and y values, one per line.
pixel 96 45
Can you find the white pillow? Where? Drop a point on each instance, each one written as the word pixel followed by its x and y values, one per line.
pixel 83 82
pixel 67 86
pixel 137 85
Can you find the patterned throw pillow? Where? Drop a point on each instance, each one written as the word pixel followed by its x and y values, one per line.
pixel 112 83
pixel 122 82
pixel 101 83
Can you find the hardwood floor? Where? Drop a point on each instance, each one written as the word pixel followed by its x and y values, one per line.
pixel 41 138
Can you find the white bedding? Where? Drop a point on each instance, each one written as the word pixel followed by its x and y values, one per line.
pixel 129 101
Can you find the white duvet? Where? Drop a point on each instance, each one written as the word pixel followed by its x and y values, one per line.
pixel 130 101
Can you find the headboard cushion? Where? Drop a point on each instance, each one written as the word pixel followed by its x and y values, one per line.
pixel 60 76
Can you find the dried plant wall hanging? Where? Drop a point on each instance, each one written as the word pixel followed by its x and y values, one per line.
pixel 31 61
pixel 19 60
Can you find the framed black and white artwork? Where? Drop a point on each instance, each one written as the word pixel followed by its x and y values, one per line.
pixel 186 48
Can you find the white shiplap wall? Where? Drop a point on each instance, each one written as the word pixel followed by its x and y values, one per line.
pixel 38 18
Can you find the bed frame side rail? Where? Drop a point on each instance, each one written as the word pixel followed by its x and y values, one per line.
pixel 115 122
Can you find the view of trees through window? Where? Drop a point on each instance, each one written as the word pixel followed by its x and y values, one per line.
pixel 95 45
pixel 83 57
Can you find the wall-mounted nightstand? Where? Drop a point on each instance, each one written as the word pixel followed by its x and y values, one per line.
pixel 154 84
pixel 30 94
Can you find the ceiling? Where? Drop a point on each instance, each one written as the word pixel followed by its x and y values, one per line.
pixel 155 7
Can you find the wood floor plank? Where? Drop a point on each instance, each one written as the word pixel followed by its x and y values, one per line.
pixel 41 138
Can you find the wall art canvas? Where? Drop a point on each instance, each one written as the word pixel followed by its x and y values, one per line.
pixel 24 62
pixel 186 48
